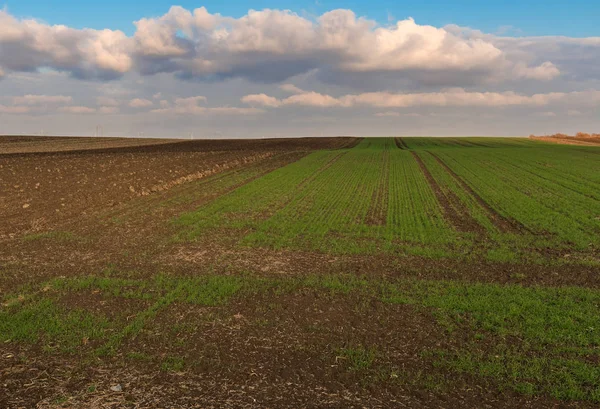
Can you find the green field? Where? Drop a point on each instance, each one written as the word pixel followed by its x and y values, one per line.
pixel 509 200
pixel 424 272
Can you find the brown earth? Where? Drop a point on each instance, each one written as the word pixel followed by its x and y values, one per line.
pixel 40 144
pixel 579 139
pixel 39 190
pixel 449 203
pixel 272 351
pixel 504 224
pixel 114 204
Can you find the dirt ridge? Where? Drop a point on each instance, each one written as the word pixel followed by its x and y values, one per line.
pixel 503 223
pixel 401 144
pixel 449 203
pixel 377 213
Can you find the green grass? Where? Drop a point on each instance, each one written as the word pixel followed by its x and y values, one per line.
pixel 61 236
pixel 374 198
pixel 173 364
pixel 43 321
pixel 358 358
pixel 535 340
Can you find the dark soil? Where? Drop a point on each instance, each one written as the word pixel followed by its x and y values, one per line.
pixel 504 224
pixel 269 350
pixel 450 203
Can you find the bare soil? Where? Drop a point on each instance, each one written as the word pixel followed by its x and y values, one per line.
pixel 449 203
pixel 114 206
pixel 569 140
pixel 503 223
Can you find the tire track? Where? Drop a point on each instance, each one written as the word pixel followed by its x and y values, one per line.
pixel 504 224
pixel 449 202
pixel 378 208
pixel 401 144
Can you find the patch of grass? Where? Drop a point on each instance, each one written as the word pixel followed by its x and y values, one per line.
pixel 113 344
pixel 358 358
pixel 139 356
pixel 209 290
pixel 531 339
pixel 513 368
pixel 529 329
pixel 43 321
pixel 173 364
pixel 117 287
pixel 57 235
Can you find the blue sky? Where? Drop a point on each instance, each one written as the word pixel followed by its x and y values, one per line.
pixel 574 18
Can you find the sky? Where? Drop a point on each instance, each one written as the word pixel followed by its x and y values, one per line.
pixel 267 68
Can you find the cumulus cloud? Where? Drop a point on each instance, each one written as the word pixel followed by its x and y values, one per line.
pixel 261 99
pixel 28 45
pixel 274 45
pixel 42 99
pixel 447 98
pixel 575 58
pixel 544 72
pixel 291 88
pixel 191 106
pixel 140 103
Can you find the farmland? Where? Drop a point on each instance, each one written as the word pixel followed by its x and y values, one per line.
pixel 333 272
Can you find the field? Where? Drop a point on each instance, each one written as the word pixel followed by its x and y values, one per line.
pixel 324 272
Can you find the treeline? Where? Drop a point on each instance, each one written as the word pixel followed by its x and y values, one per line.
pixel 578 135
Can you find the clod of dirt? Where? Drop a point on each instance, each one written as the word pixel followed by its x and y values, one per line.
pixel 116 388
pixel 26 205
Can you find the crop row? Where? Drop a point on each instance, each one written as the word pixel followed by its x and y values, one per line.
pixel 552 192
pixel 511 194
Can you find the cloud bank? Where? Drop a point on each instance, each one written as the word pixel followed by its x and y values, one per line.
pixel 274 45
pixel 448 98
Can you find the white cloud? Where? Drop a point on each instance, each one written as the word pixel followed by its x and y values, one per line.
pixel 77 110
pixel 191 106
pixel 107 101
pixel 198 110
pixel 14 109
pixel 447 98
pixel 291 88
pixel 140 103
pixel 108 110
pixel 42 99
pixel 274 45
pixel 544 72
pixel 27 45
pixel 261 99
